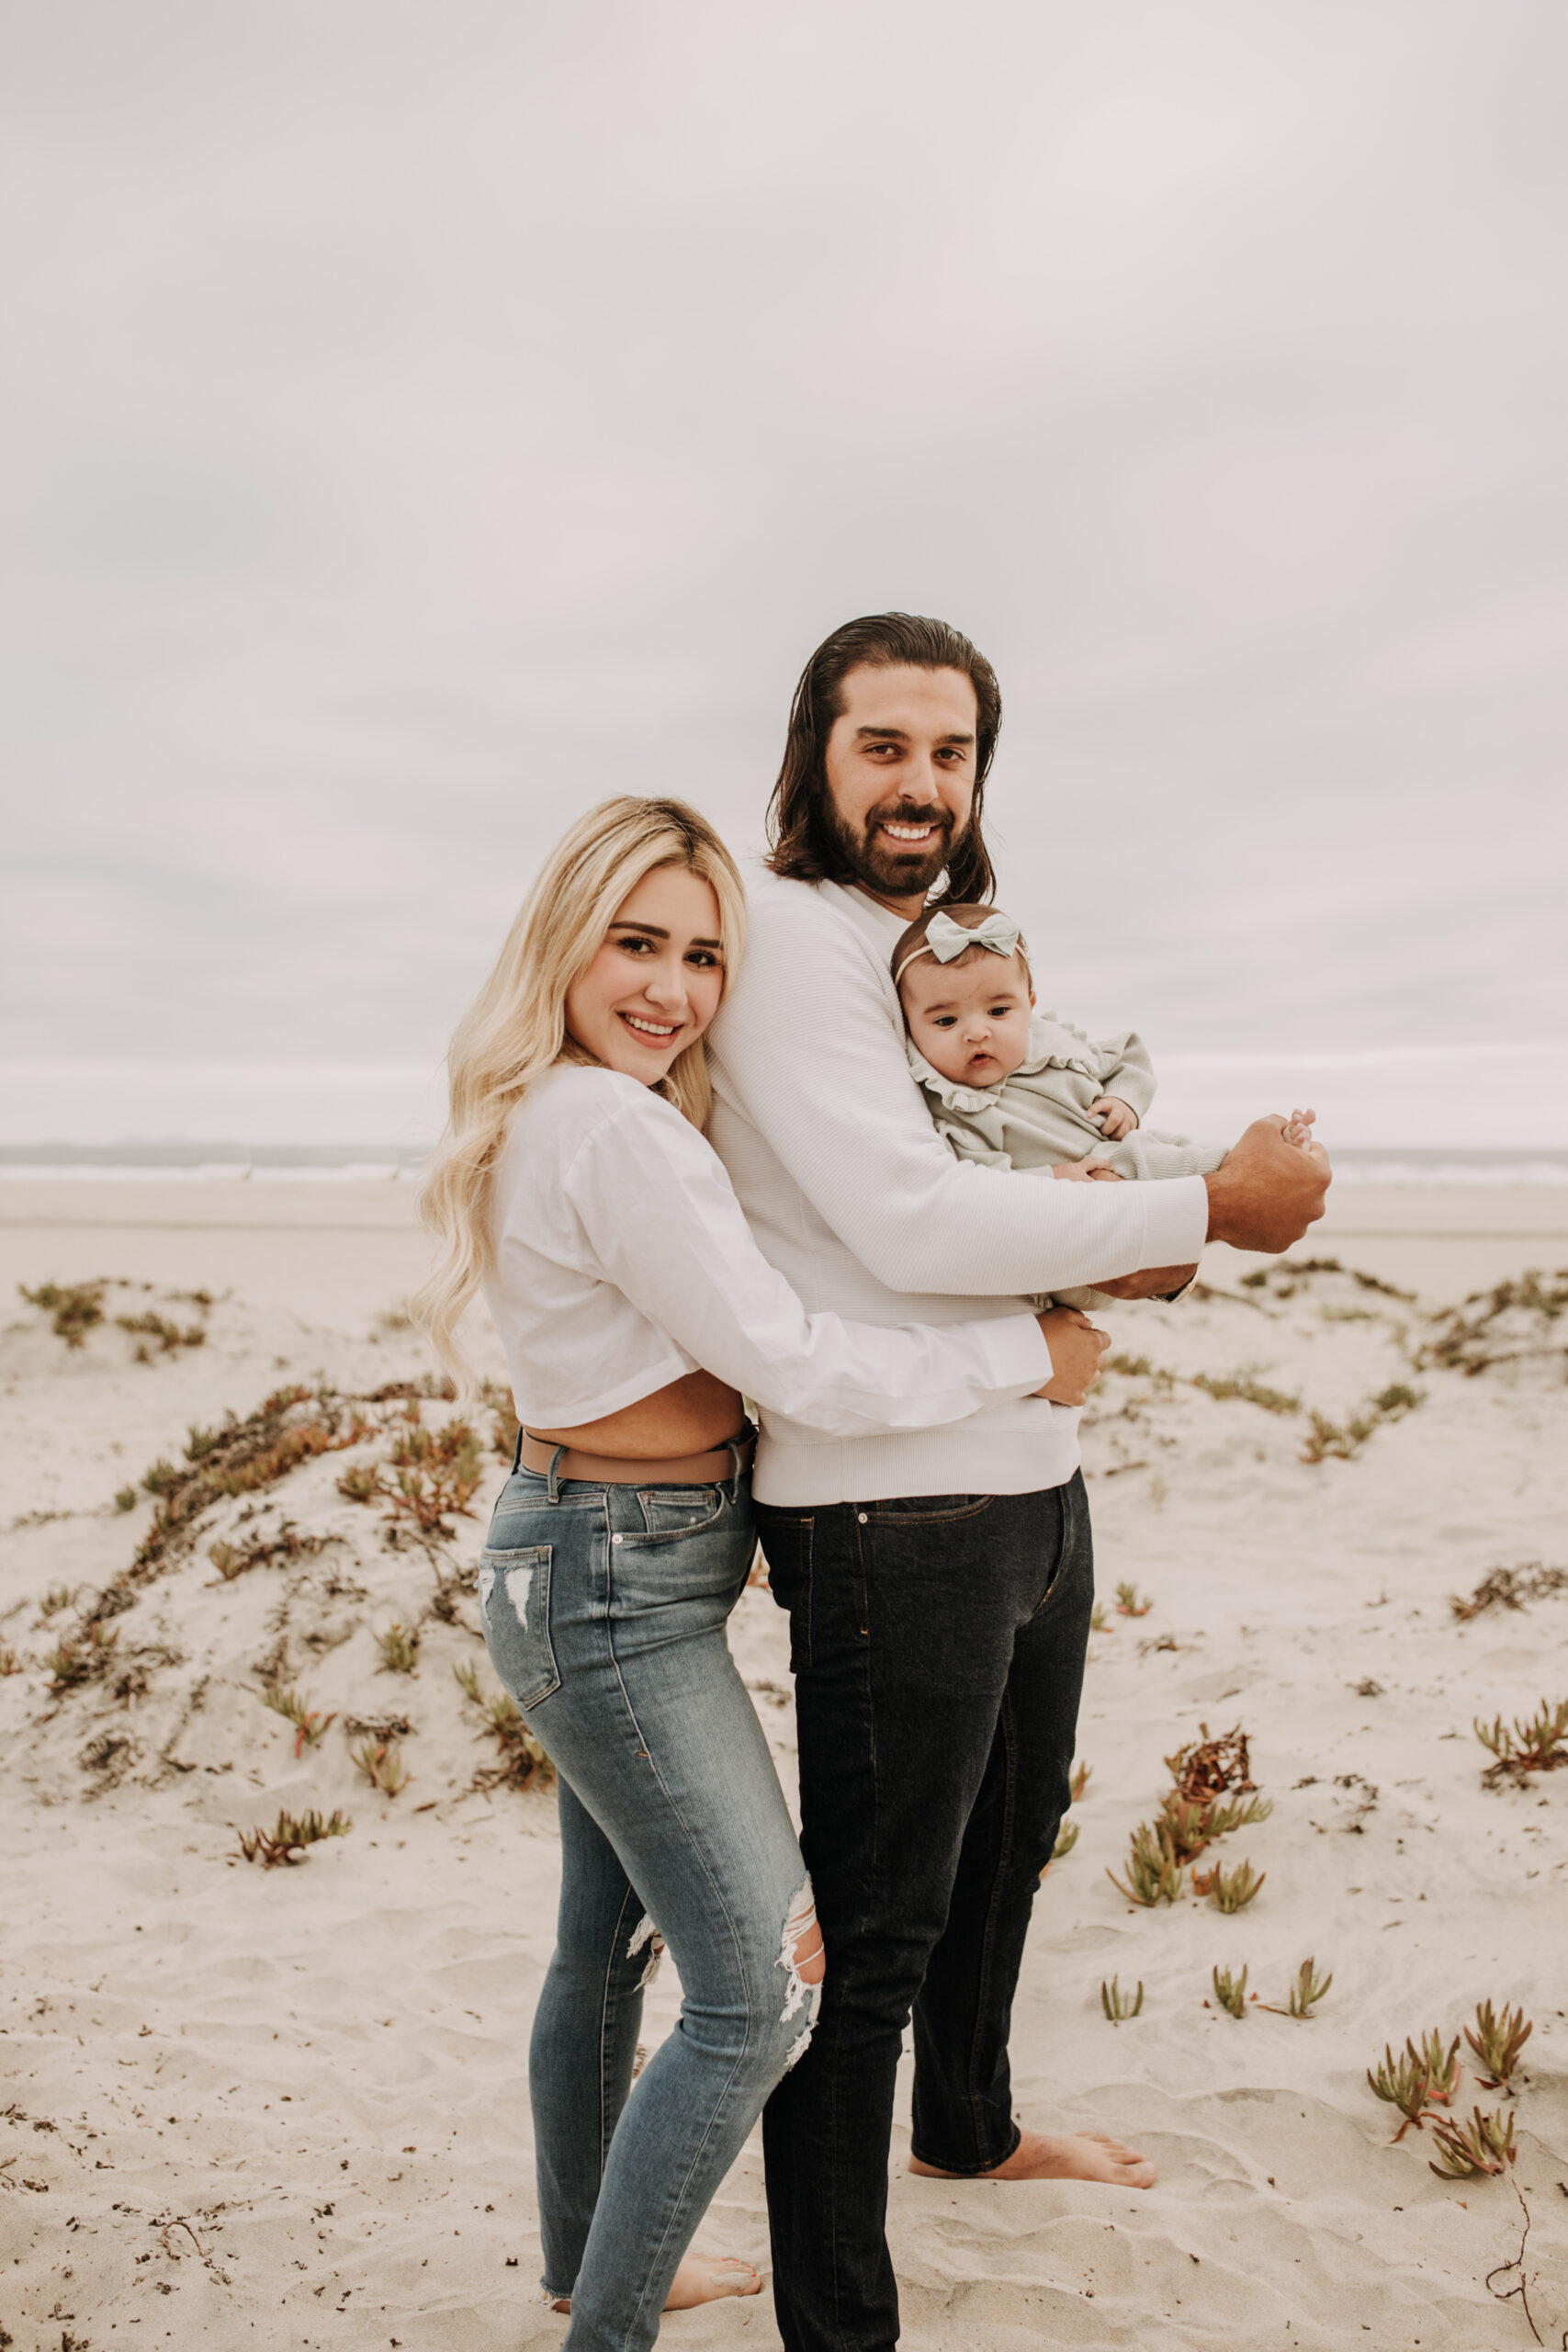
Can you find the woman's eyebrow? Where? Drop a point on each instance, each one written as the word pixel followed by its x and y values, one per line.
pixel 656 931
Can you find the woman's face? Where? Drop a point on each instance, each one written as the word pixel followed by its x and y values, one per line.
pixel 656 981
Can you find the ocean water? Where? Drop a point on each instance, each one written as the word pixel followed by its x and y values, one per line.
pixel 224 1163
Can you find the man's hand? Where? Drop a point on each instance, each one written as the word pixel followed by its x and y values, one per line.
pixel 1154 1282
pixel 1265 1190
pixel 1086 1172
pixel 1077 1346
pixel 1116 1118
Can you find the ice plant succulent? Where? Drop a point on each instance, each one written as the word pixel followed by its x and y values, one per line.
pixel 1404 2083
pixel 1497 2042
pixel 1119 2006
pixel 1229 1890
pixel 1470 2151
pixel 1231 1990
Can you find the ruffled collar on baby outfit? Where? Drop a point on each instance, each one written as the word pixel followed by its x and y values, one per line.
pixel 1052 1045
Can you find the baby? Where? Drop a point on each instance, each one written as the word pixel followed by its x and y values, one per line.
pixel 1013 1088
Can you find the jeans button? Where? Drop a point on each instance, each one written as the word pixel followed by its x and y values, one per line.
pixel 861 1516
pixel 614 1539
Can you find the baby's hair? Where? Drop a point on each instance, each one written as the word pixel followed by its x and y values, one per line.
pixel 967 918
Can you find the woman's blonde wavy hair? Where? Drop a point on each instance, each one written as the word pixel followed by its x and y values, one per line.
pixel 515 1028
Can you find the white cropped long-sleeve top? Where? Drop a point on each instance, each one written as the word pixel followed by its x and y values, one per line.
pixel 621 1260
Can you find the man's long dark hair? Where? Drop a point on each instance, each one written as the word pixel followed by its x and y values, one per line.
pixel 802 844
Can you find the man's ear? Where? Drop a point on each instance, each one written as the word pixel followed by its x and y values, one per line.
pixel 1032 1000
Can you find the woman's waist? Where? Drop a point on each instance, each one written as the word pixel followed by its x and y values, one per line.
pixel 688 1416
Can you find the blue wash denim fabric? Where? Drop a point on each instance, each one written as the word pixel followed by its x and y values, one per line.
pixel 604 1611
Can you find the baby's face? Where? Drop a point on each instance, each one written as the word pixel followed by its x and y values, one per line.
pixel 969 1018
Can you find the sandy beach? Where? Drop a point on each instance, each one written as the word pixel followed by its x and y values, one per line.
pixel 163 2000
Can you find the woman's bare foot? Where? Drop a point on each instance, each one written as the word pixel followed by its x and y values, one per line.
pixel 1062 2155
pixel 703 2278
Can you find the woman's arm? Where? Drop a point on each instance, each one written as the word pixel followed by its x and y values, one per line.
pixel 659 1218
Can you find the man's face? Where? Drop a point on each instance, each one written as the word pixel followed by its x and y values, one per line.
pixel 900 768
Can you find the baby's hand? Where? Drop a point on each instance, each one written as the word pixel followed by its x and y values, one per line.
pixel 1087 1171
pixel 1298 1128
pixel 1116 1118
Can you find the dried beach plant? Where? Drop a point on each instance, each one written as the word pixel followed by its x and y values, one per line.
pixel 1482 2147
pixel 1098 1620
pixel 1231 1990
pixel 1241 1384
pixel 1231 1890
pixel 1117 2004
pixel 467 1677
pixel 288 1840
pixel 1154 1873
pixel 1066 1839
pixel 57 1598
pixel 232 1560
pixel 399 1646
pixel 523 1759
pixel 169 1336
pixel 1404 2083
pixel 1130 1602
pixel 10 1663
pixel 1082 1774
pixel 1535 1744
pixel 83 1657
pixel 360 1484
pixel 381 1761
pixel 74 1308
pixel 125 1499
pixel 1211 1768
pixel 308 1722
pixel 1510 1589
pixel 1498 2042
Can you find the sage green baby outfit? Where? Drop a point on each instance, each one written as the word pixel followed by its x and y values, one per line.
pixel 1038 1116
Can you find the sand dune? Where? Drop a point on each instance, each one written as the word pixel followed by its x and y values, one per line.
pixel 289 2107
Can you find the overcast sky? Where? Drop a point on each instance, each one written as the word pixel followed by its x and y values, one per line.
pixel 422 420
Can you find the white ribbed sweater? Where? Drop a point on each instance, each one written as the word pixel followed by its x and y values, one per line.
pixel 853 1196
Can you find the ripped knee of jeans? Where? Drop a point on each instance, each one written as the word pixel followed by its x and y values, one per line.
pixel 647 1937
pixel 805 1963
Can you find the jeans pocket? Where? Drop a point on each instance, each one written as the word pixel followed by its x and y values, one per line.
pixel 514 1603
pixel 670 1511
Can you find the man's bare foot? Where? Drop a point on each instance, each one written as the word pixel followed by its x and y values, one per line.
pixel 703 2278
pixel 1062 2155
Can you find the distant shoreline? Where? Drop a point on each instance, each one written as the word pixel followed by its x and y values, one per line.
pixel 230 1162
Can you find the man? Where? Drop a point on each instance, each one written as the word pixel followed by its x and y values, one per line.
pixel 940 1586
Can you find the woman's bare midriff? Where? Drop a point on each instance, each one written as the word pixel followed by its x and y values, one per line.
pixel 692 1416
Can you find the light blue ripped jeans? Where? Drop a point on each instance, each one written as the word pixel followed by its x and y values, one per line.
pixel 604 1611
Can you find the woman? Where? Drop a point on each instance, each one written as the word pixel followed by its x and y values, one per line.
pixel 575 1186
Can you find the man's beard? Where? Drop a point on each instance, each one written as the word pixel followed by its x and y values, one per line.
pixel 880 863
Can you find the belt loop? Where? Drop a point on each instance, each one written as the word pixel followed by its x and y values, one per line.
pixel 552 1476
pixel 517 1452
pixel 735 1467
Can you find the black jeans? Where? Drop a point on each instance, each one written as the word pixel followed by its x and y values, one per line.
pixel 938 1646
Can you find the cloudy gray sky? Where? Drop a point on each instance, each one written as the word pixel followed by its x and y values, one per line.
pixel 422 420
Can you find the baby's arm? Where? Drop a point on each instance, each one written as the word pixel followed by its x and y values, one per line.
pixel 1117 1119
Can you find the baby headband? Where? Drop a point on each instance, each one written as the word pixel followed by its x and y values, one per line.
pixel 947 940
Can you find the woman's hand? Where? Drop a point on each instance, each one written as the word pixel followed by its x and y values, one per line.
pixel 1077 1346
